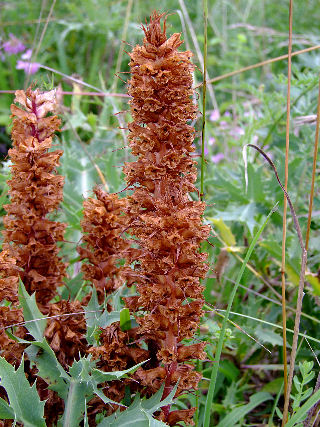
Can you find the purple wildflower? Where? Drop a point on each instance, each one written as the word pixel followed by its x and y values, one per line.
pixel 215 115
pixel 236 132
pixel 25 64
pixel 13 46
pixel 217 158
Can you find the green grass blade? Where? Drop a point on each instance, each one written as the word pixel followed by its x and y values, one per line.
pixel 215 367
pixel 241 411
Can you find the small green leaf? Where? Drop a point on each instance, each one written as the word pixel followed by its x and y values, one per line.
pixel 301 413
pixel 140 412
pixel 101 376
pixel 35 320
pixel 48 367
pixel 125 321
pixel 268 336
pixel 20 395
pixel 225 231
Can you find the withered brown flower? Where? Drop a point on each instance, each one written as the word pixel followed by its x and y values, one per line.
pixel 165 221
pixel 66 334
pixel 10 315
pixel 103 225
pixel 35 191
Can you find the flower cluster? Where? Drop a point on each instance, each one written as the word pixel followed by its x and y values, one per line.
pixel 9 280
pixel 13 46
pixel 35 191
pixel 165 221
pixel 103 226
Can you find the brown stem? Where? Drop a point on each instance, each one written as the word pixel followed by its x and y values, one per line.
pixel 284 224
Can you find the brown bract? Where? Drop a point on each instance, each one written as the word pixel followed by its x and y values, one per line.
pixel 10 315
pixel 66 333
pixel 165 221
pixel 103 226
pixel 35 191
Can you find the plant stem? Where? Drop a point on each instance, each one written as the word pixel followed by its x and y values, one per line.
pixel 205 17
pixel 315 153
pixel 260 64
pixel 284 224
pixel 121 50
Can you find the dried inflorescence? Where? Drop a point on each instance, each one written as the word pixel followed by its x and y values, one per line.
pixel 165 221
pixel 35 191
pixel 118 350
pixel 66 331
pixel 9 315
pixel 104 225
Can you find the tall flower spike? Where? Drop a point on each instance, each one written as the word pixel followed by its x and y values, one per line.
pixel 35 191
pixel 165 221
pixel 103 225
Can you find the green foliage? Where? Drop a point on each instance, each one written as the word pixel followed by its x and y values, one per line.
pixel 20 394
pixel 36 321
pixel 238 413
pixel 299 412
pixel 140 411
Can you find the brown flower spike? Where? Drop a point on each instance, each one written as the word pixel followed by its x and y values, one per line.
pixel 165 221
pixel 103 225
pixel 35 191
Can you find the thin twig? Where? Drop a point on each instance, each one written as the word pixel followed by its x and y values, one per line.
pixel 293 213
pixel 102 94
pixel 205 51
pixel 315 154
pixel 198 50
pixel 121 50
pixel 35 54
pixel 49 317
pixel 259 64
pixel 284 219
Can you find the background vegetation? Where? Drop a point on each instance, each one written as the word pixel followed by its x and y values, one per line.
pixel 75 41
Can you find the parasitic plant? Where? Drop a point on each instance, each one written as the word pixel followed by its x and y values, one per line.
pixel 166 222
pixel 35 191
pixel 103 225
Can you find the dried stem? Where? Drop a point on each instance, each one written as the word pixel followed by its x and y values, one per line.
pixel 198 50
pixel 203 140
pixel 121 50
pixel 284 224
pixel 314 166
pixel 259 64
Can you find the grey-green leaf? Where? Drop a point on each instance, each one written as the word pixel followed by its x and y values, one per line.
pixel 35 320
pixel 6 413
pixel 20 394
